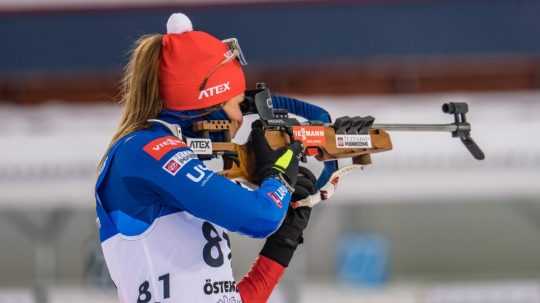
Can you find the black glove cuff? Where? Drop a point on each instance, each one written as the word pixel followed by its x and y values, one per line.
pixel 278 251
pixel 280 246
pixel 273 173
pixel 262 173
pixel 282 178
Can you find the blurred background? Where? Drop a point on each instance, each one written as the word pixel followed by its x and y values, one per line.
pixel 424 223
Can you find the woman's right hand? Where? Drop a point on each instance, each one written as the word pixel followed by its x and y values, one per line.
pixel 268 162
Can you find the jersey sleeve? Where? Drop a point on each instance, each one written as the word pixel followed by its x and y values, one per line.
pixel 169 170
pixel 257 285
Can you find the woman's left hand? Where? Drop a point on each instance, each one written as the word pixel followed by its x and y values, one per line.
pixel 305 185
pixel 326 191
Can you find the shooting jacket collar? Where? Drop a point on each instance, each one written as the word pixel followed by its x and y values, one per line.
pixel 176 119
pixel 175 129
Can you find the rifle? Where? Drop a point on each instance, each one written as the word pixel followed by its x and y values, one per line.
pixel 356 137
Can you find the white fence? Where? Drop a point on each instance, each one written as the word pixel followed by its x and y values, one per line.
pixel 9 5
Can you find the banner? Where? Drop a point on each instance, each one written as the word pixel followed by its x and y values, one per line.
pixel 33 5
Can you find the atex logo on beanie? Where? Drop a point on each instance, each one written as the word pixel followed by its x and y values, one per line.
pixel 197 70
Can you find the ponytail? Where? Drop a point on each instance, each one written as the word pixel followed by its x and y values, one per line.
pixel 139 88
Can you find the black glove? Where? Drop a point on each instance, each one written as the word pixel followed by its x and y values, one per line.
pixel 305 185
pixel 268 162
pixel 280 246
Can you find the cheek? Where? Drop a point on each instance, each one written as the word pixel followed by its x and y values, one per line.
pixel 234 113
pixel 239 116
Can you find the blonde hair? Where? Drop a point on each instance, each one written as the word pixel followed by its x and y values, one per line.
pixel 139 92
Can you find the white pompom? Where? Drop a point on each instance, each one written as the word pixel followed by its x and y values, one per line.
pixel 179 23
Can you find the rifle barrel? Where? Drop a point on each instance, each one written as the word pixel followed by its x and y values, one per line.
pixel 422 127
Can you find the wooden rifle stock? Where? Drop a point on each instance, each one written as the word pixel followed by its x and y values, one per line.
pixel 239 160
pixel 356 137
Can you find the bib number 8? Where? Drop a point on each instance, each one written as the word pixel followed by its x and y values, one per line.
pixel 144 295
pixel 211 235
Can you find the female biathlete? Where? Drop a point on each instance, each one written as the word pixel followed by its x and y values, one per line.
pixel 163 216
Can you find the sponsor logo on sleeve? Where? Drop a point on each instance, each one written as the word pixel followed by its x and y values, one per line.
pixel 200 146
pixel 200 173
pixel 172 167
pixel 159 147
pixel 353 141
pixel 309 135
pixel 278 195
pixel 175 163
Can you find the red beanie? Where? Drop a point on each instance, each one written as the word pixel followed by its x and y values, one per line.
pixel 187 59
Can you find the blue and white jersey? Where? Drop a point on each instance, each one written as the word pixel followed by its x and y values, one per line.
pixel 163 218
